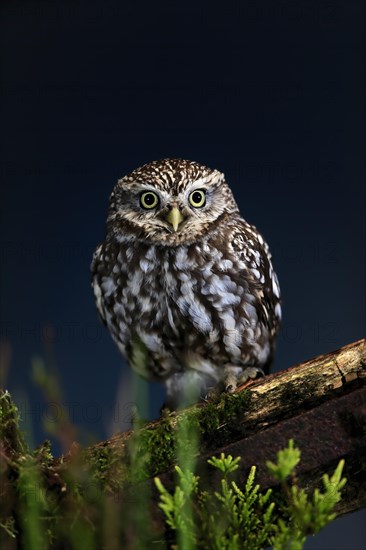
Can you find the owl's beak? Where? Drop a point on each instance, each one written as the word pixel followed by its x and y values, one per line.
pixel 174 217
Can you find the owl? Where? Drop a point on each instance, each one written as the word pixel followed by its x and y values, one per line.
pixel 184 284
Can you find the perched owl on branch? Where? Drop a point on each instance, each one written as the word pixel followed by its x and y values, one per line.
pixel 185 286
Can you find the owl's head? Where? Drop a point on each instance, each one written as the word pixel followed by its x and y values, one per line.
pixel 169 202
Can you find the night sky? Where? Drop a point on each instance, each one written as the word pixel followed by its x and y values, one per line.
pixel 270 93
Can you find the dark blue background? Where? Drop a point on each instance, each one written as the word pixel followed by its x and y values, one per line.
pixel 270 93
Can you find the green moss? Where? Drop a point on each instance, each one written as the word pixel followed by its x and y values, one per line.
pixel 223 419
pixel 107 466
pixel 151 449
pixel 154 449
pixel 102 461
pixel 12 439
pixel 43 454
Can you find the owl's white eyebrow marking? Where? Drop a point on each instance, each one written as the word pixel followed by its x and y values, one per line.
pixel 206 180
pixel 196 184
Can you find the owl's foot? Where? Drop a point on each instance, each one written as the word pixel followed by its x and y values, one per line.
pixel 235 376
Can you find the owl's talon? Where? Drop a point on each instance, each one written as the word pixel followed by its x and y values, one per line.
pixel 236 376
pixel 250 373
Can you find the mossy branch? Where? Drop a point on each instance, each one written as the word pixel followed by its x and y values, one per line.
pixel 321 404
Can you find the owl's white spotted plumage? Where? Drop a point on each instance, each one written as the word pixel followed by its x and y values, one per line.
pixel 185 285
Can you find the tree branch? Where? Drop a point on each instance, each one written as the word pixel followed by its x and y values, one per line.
pixel 321 404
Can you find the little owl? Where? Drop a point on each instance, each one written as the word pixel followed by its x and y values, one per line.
pixel 185 285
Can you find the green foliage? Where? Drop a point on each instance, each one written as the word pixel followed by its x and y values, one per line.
pixel 243 517
pixel 33 503
pixel 12 441
pixel 309 514
pixel 226 464
pixel 287 460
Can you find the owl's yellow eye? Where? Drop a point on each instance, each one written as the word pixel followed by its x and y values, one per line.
pixel 198 198
pixel 149 200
